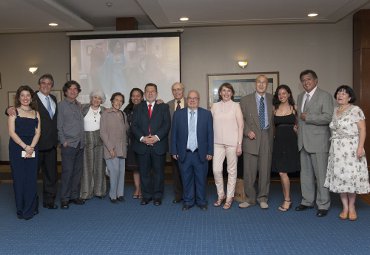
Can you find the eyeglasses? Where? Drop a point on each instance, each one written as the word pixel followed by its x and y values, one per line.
pixel 193 98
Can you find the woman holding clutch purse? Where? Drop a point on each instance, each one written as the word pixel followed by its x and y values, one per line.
pixel 24 132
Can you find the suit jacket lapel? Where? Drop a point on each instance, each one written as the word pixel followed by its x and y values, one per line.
pixel 254 108
pixel 313 99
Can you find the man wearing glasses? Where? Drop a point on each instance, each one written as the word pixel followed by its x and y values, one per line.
pixel 192 147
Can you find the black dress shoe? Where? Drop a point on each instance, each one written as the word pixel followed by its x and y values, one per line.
pixel 64 205
pixel 321 213
pixel 203 207
pixel 177 200
pixel 114 201
pixel 145 201
pixel 77 201
pixel 50 206
pixel 186 207
pixel 157 202
pixel 303 207
pixel 121 199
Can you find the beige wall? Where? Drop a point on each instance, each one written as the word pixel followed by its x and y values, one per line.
pixel 325 48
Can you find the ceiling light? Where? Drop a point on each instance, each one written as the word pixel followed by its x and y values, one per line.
pixel 52 24
pixel 184 19
pixel 312 14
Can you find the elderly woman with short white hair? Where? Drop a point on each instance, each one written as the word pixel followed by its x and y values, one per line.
pixel 93 182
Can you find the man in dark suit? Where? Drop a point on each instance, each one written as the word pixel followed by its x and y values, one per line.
pixel 47 107
pixel 150 127
pixel 315 110
pixel 178 103
pixel 257 143
pixel 192 147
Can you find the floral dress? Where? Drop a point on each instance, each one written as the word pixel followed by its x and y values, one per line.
pixel 346 173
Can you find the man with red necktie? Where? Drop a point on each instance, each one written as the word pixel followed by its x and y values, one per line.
pixel 150 127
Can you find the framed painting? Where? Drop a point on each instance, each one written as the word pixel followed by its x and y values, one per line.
pixel 11 97
pixel 58 94
pixel 243 84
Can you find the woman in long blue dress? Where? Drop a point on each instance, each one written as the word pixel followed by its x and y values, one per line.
pixel 24 132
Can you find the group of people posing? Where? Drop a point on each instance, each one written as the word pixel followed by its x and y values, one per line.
pixel 323 141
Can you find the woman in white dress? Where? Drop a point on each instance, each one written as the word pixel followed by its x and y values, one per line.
pixel 347 172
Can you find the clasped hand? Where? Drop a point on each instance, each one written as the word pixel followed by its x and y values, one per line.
pixel 150 140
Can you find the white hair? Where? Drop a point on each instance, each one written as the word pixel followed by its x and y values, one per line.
pixel 98 93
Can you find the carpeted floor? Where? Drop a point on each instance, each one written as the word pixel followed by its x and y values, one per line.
pixel 100 227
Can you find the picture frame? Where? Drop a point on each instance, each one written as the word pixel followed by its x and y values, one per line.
pixel 58 94
pixel 1 85
pixel 11 95
pixel 243 84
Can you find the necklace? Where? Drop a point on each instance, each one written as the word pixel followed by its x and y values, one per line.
pixel 30 109
pixel 95 113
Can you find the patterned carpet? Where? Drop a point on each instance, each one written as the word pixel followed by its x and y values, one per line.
pixel 100 227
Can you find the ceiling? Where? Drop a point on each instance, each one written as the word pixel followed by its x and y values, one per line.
pixel 27 16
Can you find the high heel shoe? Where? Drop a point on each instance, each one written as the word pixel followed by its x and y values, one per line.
pixel 219 202
pixel 228 204
pixel 343 215
pixel 285 209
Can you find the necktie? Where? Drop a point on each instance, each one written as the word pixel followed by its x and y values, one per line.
pixel 48 107
pixel 261 113
pixel 149 115
pixel 178 107
pixel 306 102
pixel 192 133
pixel 150 110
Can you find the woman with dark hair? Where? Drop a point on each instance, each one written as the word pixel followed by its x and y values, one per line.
pixel 113 132
pixel 347 172
pixel 136 97
pixel 24 132
pixel 285 155
pixel 228 127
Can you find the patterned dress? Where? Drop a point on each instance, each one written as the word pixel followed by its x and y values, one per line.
pixel 346 173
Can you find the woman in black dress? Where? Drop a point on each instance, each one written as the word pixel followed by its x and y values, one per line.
pixel 136 96
pixel 24 132
pixel 285 156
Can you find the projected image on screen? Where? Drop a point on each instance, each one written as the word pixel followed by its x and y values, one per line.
pixel 120 64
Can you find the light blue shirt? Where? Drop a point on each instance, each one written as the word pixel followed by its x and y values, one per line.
pixel 44 102
pixel 196 121
pixel 258 98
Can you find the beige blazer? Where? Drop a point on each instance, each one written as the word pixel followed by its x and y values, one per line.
pixel 251 123
pixel 314 133
pixel 113 132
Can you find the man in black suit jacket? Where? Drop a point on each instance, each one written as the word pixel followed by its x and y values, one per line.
pixel 46 103
pixel 48 140
pixel 150 127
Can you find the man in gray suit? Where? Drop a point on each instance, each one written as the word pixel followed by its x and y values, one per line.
pixel 315 110
pixel 257 143
pixel 175 104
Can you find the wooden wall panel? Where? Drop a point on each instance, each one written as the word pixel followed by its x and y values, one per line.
pixel 361 67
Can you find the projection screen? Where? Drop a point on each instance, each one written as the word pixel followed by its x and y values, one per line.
pixel 119 63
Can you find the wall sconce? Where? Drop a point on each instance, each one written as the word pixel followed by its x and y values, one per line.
pixel 242 63
pixel 33 69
